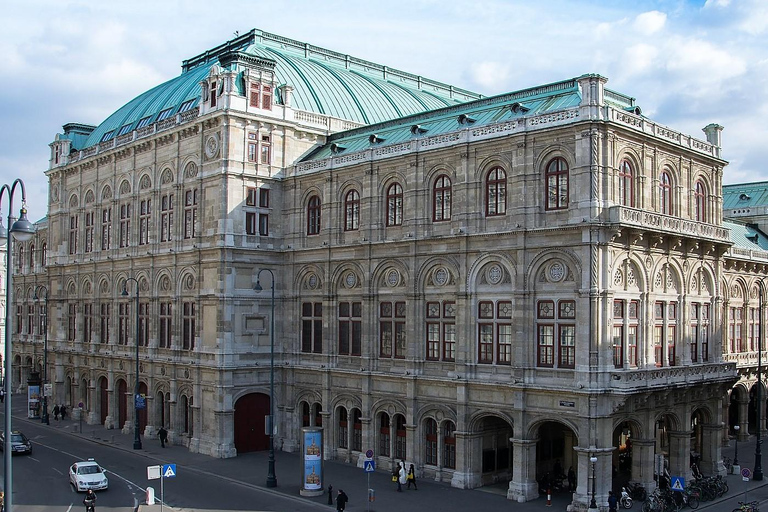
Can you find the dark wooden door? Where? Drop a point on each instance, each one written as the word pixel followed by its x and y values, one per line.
pixel 250 418
pixel 104 402
pixel 122 398
pixel 143 412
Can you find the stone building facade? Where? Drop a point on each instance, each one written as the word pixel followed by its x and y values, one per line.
pixel 487 287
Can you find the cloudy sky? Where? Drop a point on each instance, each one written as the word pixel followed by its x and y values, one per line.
pixel 688 62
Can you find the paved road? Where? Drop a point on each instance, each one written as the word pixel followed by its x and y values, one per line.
pixel 206 484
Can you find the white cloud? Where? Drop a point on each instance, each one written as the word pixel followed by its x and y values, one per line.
pixel 649 23
pixel 490 75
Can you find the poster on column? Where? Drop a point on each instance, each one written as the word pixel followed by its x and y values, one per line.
pixel 312 455
pixel 33 399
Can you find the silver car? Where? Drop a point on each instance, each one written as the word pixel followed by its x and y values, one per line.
pixel 88 474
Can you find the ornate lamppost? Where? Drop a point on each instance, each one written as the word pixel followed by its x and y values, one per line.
pixel 44 417
pixel 593 503
pixel 271 476
pixel 758 473
pixel 22 230
pixel 136 425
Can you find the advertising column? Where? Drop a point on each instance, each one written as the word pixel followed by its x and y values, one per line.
pixel 33 396
pixel 312 454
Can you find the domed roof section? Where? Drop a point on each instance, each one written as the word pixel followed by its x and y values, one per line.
pixel 323 81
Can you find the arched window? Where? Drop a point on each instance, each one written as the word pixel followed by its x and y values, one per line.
pixel 626 189
pixel 395 205
pixel 701 202
pixel 400 437
pixel 43 254
pixel 357 430
pixel 32 257
pixel 304 414
pixel 313 216
pixel 557 184
pixel 441 199
pixel 20 259
pixel 352 211
pixel 384 435
pixel 430 442
pixel 449 445
pixel 343 428
pixel 318 415
pixel 496 192
pixel 665 194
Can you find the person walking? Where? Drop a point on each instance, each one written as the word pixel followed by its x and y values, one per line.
pixel 396 477
pixel 56 412
pixel 341 501
pixel 612 502
pixel 411 478
pixel 2 395
pixel 403 476
pixel 163 435
pixel 63 411
pixel 571 479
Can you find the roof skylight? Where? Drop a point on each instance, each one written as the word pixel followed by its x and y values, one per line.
pixel 107 136
pixel 164 114
pixel 186 105
pixel 144 121
pixel 125 129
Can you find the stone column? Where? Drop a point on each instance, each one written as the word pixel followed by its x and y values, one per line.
pixel 710 450
pixel 523 486
pixel 742 418
pixel 679 453
pixel 643 451
pixel 469 460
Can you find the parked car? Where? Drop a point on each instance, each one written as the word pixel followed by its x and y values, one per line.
pixel 19 442
pixel 88 474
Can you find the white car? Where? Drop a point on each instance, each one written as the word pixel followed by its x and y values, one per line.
pixel 88 474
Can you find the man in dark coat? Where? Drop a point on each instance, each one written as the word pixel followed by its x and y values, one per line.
pixel 163 435
pixel 341 501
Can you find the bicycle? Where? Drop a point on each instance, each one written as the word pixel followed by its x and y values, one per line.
pixel 747 507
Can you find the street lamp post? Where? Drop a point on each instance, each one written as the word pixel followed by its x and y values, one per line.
pixel 758 473
pixel 136 425
pixel 22 230
pixel 44 417
pixel 593 503
pixel 736 451
pixel 271 476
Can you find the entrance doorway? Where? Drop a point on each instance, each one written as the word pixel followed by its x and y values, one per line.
pixel 251 412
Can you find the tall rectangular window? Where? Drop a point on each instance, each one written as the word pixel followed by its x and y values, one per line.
pixel 89 225
pixel 700 331
pixel 190 213
pixel 42 319
pixel 188 325
pixel 106 229
pixel 266 149
pixel 87 322
pixel 664 332
pixel 264 224
pixel 71 322
pixel 214 91
pixel 125 225
pixel 123 323
pixel 392 339
pixel 250 196
pixel 312 327
pixel 556 333
pixel 73 230
pixel 145 216
pixel 105 314
pixel 144 324
pixel 441 331
pixel 494 332
pixel 264 197
pixel 253 146
pixel 166 314
pixel 625 324
pixel 20 319
pixel 250 223
pixel 30 319
pixel 350 328
pixel 166 218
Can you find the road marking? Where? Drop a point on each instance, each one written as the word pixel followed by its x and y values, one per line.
pixel 58 471
pixel 32 458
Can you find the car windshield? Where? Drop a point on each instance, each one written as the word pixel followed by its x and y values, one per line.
pixel 88 470
pixel 18 438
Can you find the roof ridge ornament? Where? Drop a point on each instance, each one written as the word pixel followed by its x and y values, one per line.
pixel 465 119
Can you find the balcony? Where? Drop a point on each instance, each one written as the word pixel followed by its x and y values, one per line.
pixel 666 224
pixel 650 379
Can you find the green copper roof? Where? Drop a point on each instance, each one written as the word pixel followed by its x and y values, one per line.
pixel 747 236
pixel 486 111
pixel 323 81
pixel 745 195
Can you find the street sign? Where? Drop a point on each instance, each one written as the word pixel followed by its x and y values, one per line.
pixel 678 483
pixel 369 454
pixel 369 465
pixel 153 472
pixel 169 470
pixel 746 473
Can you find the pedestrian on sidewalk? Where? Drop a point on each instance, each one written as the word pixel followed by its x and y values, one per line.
pixel 63 411
pixel 163 435
pixel 571 479
pixel 403 476
pixel 411 477
pixel 341 501
pixel 396 477
pixel 330 495
pixel 56 412
pixel 612 502
pixel 2 395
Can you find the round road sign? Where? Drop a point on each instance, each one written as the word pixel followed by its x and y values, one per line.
pixel 369 453
pixel 745 472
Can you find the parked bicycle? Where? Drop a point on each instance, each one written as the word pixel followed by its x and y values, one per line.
pixel 747 507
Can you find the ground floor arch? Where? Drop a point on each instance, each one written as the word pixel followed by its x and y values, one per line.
pixel 251 412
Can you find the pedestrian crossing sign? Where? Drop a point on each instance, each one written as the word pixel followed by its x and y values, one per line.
pixel 678 483
pixel 169 470
pixel 369 466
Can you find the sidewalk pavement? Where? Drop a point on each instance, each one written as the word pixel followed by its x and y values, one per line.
pixel 250 470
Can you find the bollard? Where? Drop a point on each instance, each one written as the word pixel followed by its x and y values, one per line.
pixel 371 495
pixel 549 497
pixel 150 496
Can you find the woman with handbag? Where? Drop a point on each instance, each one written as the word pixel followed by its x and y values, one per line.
pixel 411 477
pixel 396 477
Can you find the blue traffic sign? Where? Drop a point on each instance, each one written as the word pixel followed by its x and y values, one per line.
pixel 369 466
pixel 169 470
pixel 678 483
